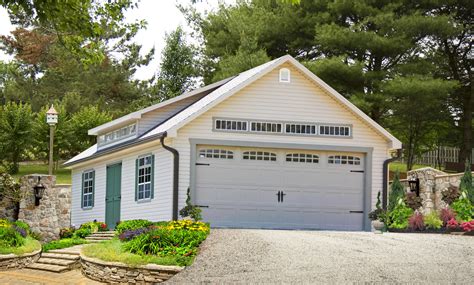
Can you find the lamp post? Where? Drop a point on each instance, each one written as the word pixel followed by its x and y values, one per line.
pixel 52 120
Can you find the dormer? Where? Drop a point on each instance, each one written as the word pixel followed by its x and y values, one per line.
pixel 117 131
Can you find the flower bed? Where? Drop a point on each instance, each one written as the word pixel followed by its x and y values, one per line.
pixel 17 248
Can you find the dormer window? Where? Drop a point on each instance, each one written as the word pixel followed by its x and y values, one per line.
pixel 117 135
pixel 285 75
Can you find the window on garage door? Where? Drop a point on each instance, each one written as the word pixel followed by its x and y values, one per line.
pixel 302 157
pixel 259 155
pixel 216 153
pixel 344 159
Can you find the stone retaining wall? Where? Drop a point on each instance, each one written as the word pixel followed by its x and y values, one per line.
pixel 432 183
pixel 12 261
pixel 54 210
pixel 116 272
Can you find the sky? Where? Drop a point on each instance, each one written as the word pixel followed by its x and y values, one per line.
pixel 162 17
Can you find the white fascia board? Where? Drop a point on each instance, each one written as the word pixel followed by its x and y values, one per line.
pixel 130 118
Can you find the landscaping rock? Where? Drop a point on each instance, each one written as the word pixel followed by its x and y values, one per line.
pixel 12 261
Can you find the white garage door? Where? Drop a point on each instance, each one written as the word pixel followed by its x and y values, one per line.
pixel 280 188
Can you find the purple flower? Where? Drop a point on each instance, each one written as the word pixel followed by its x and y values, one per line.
pixel 128 235
pixel 21 231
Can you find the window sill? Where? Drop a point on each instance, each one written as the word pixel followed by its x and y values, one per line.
pixel 87 208
pixel 144 201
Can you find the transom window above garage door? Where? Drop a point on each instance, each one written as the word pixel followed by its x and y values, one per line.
pixel 343 159
pixel 216 153
pixel 259 155
pixel 302 157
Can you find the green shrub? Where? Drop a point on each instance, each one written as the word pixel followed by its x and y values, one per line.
pixel 190 210
pixel 82 233
pixel 399 216
pixel 92 226
pixel 62 243
pixel 432 221
pixel 465 184
pixel 66 233
pixel 36 235
pixel 463 208
pixel 397 192
pixel 22 225
pixel 132 225
pixel 162 241
pixel 9 237
pixel 4 223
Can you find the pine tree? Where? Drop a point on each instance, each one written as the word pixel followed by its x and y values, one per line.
pixel 397 191
pixel 466 183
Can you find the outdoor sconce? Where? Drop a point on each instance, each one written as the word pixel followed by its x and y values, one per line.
pixel 414 184
pixel 39 191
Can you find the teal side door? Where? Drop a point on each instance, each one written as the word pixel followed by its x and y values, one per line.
pixel 113 195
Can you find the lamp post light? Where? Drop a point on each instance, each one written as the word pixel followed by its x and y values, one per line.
pixel 52 120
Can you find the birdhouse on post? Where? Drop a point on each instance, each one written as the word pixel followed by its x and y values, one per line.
pixel 52 116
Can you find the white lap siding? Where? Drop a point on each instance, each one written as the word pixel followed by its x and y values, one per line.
pixel 157 209
pixel 268 99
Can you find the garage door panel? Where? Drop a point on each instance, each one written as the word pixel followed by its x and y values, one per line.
pixel 318 195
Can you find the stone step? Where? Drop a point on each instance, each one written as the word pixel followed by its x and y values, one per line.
pixel 60 256
pixel 57 261
pixel 65 251
pixel 98 238
pixel 95 240
pixel 48 267
pixel 105 236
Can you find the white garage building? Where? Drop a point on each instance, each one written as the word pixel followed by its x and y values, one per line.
pixel 273 147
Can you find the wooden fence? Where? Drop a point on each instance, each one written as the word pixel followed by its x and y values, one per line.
pixel 437 158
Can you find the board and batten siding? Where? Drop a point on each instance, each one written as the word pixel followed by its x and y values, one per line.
pixel 268 99
pixel 152 119
pixel 158 209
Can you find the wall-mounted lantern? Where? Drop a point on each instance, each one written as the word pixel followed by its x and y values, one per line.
pixel 414 184
pixel 39 191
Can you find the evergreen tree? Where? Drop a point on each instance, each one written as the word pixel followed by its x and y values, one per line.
pixel 466 183
pixel 397 192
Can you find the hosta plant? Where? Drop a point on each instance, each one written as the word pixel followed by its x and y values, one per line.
pixel 399 216
pixel 415 222
pixel 463 208
pixel 432 221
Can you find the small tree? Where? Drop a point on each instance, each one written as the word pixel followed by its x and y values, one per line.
pixel 15 134
pixel 190 210
pixel 397 192
pixel 10 190
pixel 466 183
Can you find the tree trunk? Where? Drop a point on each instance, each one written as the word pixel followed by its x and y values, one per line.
pixel 466 124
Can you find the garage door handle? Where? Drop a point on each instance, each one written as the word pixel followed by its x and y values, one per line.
pixel 206 164
pixel 201 206
pixel 359 171
pixel 356 212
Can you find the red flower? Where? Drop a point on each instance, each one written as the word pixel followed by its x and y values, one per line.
pixel 103 226
pixel 468 226
pixel 452 224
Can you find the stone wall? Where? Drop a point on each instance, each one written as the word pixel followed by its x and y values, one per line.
pixel 54 210
pixel 432 183
pixel 12 261
pixel 116 272
pixel 7 209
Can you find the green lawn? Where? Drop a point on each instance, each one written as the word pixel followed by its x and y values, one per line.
pixel 112 251
pixel 63 176
pixel 402 167
pixel 29 246
pixel 62 243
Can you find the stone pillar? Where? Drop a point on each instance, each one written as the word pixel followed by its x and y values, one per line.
pixel 53 212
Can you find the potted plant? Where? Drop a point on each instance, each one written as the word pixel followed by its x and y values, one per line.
pixel 377 217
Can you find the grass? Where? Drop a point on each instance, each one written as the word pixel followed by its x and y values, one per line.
pixel 63 176
pixel 112 251
pixel 402 167
pixel 62 243
pixel 29 246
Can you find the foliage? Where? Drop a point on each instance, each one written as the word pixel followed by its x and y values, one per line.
pixel 63 175
pixel 432 221
pixel 463 208
pixel 398 217
pixel 132 225
pixel 66 232
pixel 82 233
pixel 10 188
pixel 36 235
pixel 10 237
pixel 412 200
pixel 188 225
pixel 397 192
pixel 452 224
pixel 113 251
pixel 63 243
pixel 190 210
pixel 130 234
pixel 450 195
pixel 467 226
pixel 94 226
pixel 375 214
pixel 466 183
pixel 15 134
pixel 22 225
pixel 447 214
pixel 177 68
pixel 30 245
pixel 416 222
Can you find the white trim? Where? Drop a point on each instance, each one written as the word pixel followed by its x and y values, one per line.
pixel 138 114
pixel 144 166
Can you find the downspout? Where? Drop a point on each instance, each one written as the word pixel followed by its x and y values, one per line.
pixel 175 175
pixel 385 178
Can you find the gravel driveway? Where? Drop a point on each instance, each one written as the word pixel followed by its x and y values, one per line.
pixel 303 257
